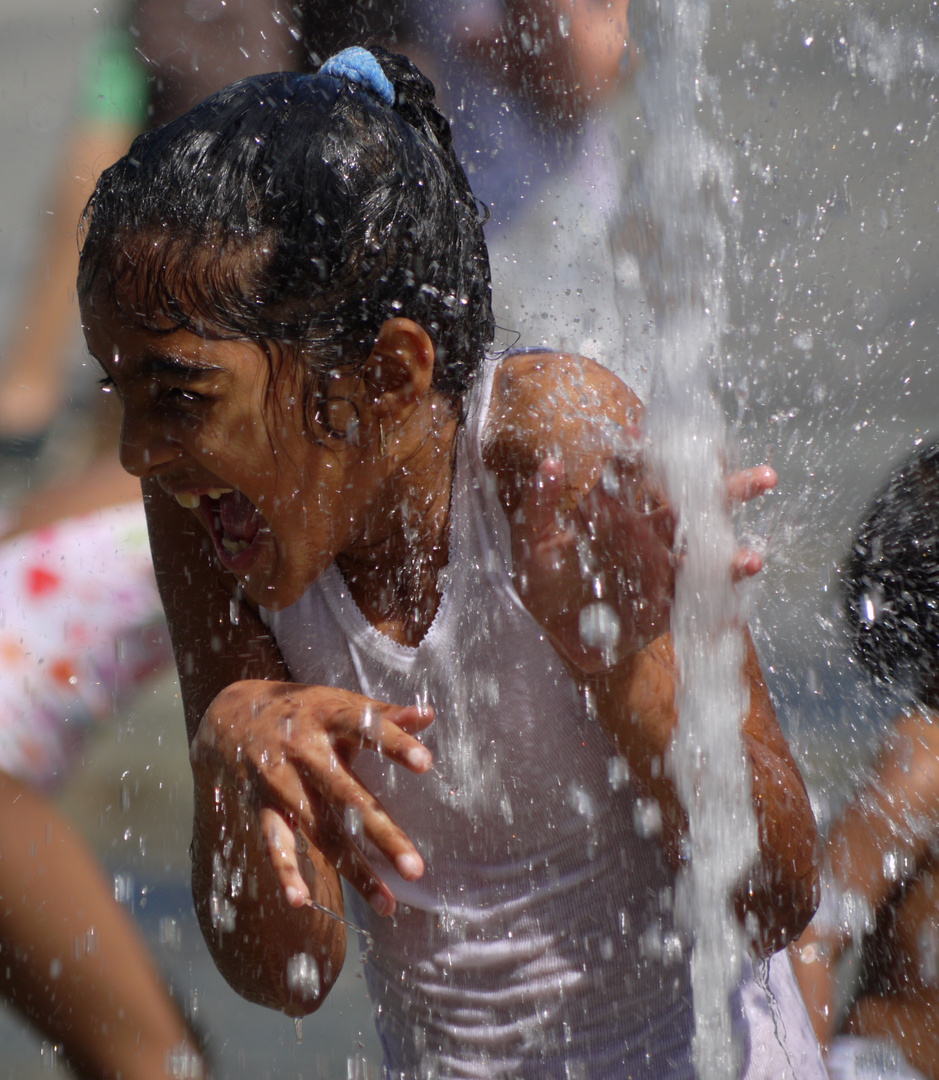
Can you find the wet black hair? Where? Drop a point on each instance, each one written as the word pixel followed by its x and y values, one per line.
pixel 300 211
pixel 891 579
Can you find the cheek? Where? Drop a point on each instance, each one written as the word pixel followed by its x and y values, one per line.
pixel 315 502
pixel 234 443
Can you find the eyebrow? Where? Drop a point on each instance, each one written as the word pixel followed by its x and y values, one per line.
pixel 156 364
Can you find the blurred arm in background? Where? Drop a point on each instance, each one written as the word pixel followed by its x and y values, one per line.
pixel 71 959
pixel 34 360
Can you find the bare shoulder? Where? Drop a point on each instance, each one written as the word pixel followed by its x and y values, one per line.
pixel 555 405
pixel 534 389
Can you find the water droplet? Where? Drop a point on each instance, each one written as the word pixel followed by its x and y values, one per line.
pixel 647 818
pixel 124 889
pixel 303 976
pixel 617 771
pixel 891 863
pixel 170 933
pixel 600 628
pixel 581 801
pixel 353 821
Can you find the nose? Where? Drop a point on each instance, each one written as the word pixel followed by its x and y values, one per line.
pixel 145 446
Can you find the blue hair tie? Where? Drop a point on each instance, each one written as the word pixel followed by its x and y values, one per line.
pixel 359 66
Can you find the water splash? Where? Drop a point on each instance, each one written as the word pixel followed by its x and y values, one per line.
pixel 677 219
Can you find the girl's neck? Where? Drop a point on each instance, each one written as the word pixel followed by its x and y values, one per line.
pixel 393 577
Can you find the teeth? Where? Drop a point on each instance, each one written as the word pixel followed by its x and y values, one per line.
pixel 233 547
pixel 217 493
pixel 187 499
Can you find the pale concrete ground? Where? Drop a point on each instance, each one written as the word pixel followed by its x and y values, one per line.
pixel 829 123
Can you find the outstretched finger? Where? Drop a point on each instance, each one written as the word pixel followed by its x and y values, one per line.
pixel 347 810
pixel 281 845
pixel 286 847
pixel 745 564
pixel 412 718
pixel 750 483
pixel 661 523
pixel 387 731
pixel 348 858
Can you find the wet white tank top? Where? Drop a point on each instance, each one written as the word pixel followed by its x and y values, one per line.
pixel 540 942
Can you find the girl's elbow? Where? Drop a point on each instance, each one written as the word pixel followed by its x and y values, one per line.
pixel 775 908
pixel 291 972
pixel 293 983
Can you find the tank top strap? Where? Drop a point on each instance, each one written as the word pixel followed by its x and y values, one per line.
pixel 479 399
pixel 479 531
pixel 477 402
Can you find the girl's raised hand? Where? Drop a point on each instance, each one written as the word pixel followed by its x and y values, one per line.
pixel 742 486
pixel 287 749
pixel 599 575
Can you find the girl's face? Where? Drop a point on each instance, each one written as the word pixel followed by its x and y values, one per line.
pixel 208 422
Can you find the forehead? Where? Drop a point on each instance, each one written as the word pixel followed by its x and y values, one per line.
pixel 128 349
pixel 114 308
pixel 157 272
pixel 151 282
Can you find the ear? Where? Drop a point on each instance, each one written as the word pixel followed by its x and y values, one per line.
pixel 400 370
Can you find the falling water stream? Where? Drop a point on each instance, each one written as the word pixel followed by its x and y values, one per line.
pixel 677 207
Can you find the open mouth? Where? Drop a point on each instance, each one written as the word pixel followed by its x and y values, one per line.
pixel 238 522
pixel 234 523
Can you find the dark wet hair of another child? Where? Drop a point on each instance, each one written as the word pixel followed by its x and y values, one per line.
pixel 891 579
pixel 302 212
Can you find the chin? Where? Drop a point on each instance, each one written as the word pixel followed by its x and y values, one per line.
pixel 274 596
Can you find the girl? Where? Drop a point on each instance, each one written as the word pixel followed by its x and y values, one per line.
pixel 419 599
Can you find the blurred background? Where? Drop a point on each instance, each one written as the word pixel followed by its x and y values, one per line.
pixel 827 111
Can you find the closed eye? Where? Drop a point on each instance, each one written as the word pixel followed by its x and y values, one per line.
pixel 179 395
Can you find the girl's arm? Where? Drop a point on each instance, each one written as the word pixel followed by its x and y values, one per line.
pixel 251 930
pixel 636 705
pixel 271 762
pixel 586 522
pixel 105 1004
